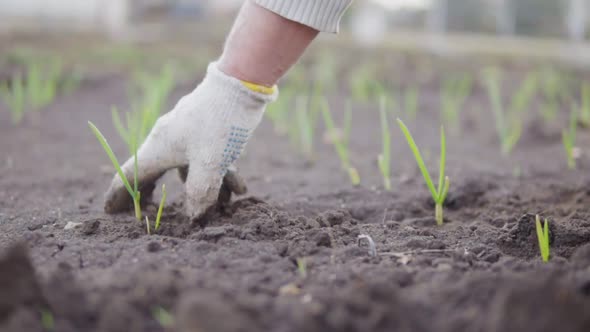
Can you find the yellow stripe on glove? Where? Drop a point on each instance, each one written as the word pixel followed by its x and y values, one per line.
pixel 259 88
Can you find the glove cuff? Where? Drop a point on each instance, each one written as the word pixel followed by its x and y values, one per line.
pixel 250 97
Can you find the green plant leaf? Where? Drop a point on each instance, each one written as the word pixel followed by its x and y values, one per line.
pixel 443 153
pixel 161 208
pixel 419 159
pixel 107 148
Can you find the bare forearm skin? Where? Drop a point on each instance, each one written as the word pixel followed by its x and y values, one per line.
pixel 263 45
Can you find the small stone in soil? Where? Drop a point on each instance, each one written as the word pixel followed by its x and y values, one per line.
pixel 90 227
pixel 71 225
pixel 154 246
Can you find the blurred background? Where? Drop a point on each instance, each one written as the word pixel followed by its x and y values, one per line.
pixel 564 19
pixel 542 18
pixel 439 25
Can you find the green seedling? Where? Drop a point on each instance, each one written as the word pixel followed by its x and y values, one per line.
pixel 133 190
pixel 42 83
pixel 305 127
pixel 585 107
pixel 363 85
pixel 150 97
pixel 555 88
pixel 543 237
pixel 14 97
pixel 384 158
pixel 524 94
pixel 161 208
pixel 455 91
pixel 47 320
pixel 278 111
pixel 325 70
pixel 438 195
pixel 569 139
pixel 36 89
pixel 341 139
pixel 150 91
pixel 554 84
pixel 163 317
pixel 158 215
pixel 147 225
pixel 359 83
pixel 411 101
pixel 510 131
pixel 302 267
pixel 549 110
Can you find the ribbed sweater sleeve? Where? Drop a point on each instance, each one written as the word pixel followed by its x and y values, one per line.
pixel 323 15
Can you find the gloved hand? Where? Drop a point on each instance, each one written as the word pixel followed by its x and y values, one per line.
pixel 206 132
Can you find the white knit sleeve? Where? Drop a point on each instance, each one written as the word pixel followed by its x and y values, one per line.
pixel 323 15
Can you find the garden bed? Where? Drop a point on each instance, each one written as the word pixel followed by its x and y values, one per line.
pixel 286 256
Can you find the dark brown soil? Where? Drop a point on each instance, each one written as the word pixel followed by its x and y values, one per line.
pixel 237 270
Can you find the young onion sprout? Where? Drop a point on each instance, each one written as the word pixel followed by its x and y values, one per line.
pixel 569 138
pixel 384 158
pixel 509 130
pixel 133 190
pixel 341 139
pixel 543 237
pixel 438 194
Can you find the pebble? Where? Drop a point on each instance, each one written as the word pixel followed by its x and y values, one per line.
pixel 71 225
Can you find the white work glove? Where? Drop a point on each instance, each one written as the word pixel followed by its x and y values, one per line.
pixel 206 131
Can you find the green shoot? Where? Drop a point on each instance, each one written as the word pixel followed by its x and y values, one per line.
pixel 324 71
pixel 554 84
pixel 278 111
pixel 151 95
pixel 42 83
pixel 302 267
pixel 438 195
pixel 160 208
pixel 411 101
pixel 341 139
pixel 159 215
pixel 305 127
pixel 37 89
pixel 164 317
pixel 133 191
pixel 524 94
pixel 384 158
pixel 363 86
pixel 455 91
pixel 585 108
pixel 555 87
pixel 14 96
pixel 509 133
pixel 569 139
pixel 543 237
pixel 359 83
pixel 549 110
pixel 47 320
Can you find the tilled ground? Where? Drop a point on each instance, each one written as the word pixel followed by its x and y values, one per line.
pixel 286 257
